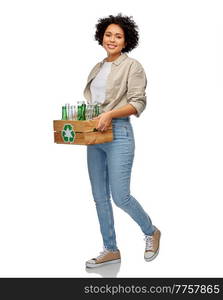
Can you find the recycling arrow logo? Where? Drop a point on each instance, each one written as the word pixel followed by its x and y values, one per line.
pixel 68 133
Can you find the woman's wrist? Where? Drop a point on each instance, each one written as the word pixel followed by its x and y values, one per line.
pixel 110 113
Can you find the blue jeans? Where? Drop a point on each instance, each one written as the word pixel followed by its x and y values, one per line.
pixel 109 167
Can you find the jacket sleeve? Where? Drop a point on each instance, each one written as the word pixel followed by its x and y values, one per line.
pixel 86 91
pixel 93 70
pixel 136 86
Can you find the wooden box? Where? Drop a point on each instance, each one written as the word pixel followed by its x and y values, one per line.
pixel 80 132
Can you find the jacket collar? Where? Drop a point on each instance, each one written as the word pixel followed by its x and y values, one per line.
pixel 117 62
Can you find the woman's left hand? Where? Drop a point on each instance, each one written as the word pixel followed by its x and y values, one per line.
pixel 104 120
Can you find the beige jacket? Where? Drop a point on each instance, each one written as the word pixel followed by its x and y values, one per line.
pixel 126 84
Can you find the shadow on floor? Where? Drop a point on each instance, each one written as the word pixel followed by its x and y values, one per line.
pixel 111 270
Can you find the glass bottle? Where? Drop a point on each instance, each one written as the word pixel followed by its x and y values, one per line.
pixel 64 113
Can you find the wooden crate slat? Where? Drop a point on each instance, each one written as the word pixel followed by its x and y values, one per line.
pixel 79 139
pixel 78 126
pixel 98 137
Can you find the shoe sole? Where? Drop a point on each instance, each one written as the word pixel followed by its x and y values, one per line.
pixel 152 257
pixel 115 261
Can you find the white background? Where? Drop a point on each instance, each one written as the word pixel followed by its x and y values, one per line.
pixel 48 221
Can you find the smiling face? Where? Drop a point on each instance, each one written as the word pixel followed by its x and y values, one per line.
pixel 114 40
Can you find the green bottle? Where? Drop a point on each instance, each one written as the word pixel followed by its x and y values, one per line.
pixel 64 113
pixel 98 109
pixel 83 110
pixel 79 111
pixel 95 110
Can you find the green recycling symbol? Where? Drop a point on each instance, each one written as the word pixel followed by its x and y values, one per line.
pixel 68 133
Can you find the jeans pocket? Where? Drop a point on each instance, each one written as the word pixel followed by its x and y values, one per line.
pixel 129 132
pixel 120 132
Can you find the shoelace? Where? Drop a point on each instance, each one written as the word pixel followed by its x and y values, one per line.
pixel 149 242
pixel 102 253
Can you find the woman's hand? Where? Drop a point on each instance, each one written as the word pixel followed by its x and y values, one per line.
pixel 104 120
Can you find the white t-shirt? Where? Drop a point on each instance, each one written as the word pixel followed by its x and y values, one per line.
pixel 98 85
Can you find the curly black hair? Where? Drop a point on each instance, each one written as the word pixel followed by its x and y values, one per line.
pixel 126 23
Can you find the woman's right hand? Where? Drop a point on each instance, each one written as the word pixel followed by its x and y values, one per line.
pixel 104 121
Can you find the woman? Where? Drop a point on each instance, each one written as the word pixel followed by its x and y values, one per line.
pixel 118 83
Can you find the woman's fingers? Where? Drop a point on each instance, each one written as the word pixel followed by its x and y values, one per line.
pixel 104 121
pixel 102 127
pixel 99 125
pixel 105 127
